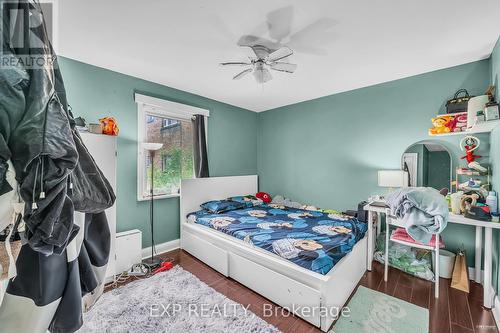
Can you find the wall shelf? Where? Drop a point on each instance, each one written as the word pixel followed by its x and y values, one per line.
pixel 484 127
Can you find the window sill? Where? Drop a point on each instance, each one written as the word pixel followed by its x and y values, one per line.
pixel 157 197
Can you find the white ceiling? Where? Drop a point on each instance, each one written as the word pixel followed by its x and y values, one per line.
pixel 345 44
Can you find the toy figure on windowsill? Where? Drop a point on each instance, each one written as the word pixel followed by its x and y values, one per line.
pixel 469 144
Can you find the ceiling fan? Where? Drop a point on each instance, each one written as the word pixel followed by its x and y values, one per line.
pixel 266 59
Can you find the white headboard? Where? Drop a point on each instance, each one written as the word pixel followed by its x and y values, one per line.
pixel 197 191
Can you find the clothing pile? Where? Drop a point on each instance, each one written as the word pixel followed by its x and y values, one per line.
pixel 423 210
pixel 55 204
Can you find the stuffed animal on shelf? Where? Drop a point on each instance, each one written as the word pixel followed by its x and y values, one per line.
pixel 442 124
pixel 467 201
pixel 109 126
pixel 469 144
pixel 459 123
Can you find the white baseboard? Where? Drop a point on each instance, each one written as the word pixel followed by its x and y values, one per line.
pixel 161 248
pixel 496 311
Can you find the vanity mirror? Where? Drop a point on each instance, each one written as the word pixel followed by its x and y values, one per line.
pixel 428 164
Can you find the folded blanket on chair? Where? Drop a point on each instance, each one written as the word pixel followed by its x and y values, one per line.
pixel 423 210
pixel 402 235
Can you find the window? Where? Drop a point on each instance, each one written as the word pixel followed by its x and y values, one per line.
pixel 168 123
pixel 166 161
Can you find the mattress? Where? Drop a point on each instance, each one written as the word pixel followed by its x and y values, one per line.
pixel 311 239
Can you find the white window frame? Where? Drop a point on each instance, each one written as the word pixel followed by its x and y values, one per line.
pixel 160 108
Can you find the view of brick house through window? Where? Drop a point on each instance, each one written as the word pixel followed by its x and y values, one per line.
pixel 174 161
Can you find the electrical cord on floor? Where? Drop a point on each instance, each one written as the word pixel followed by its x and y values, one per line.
pixel 136 272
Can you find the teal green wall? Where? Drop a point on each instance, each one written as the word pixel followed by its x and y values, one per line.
pixel 327 151
pixel 95 92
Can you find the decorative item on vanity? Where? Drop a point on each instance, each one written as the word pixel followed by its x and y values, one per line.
pixel 467 201
pixel 492 202
pixel 152 148
pixel 469 144
pixel 392 178
pixel 456 202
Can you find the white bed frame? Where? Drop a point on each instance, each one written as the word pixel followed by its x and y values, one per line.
pixel 316 298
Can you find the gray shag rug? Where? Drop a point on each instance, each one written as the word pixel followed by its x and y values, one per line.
pixel 172 301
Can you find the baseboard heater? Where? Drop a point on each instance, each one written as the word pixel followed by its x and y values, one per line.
pixel 128 249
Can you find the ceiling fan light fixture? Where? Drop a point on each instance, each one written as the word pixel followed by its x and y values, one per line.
pixel 265 59
pixel 262 75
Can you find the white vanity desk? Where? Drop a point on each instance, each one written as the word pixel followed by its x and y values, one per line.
pixel 488 227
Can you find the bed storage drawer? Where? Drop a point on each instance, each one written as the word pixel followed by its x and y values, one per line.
pixel 207 252
pixel 277 287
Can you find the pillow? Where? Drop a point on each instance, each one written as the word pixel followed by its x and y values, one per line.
pixel 247 200
pixel 221 206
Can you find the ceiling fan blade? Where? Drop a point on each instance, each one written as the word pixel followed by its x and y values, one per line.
pixel 279 22
pixel 262 47
pixel 262 75
pixel 242 74
pixel 235 63
pixel 279 54
pixel 283 67
pixel 313 38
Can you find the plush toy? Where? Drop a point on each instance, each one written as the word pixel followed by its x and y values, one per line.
pixel 109 126
pixel 264 197
pixel 442 124
pixel 469 144
pixel 467 201
pixel 459 123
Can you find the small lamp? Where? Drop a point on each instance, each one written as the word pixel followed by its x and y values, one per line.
pixel 152 148
pixel 392 178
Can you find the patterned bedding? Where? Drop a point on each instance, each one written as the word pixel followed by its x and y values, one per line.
pixel 310 239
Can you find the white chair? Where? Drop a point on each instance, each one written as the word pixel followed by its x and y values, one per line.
pixel 393 221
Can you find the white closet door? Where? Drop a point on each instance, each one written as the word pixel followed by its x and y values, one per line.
pixel 103 150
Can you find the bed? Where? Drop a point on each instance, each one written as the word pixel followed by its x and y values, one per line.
pixel 312 284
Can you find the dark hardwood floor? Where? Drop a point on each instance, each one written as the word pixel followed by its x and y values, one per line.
pixel 454 311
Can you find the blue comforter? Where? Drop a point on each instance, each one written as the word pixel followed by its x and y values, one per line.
pixel 310 239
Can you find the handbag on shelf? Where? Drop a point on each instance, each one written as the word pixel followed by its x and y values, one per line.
pixel 460 277
pixel 459 102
